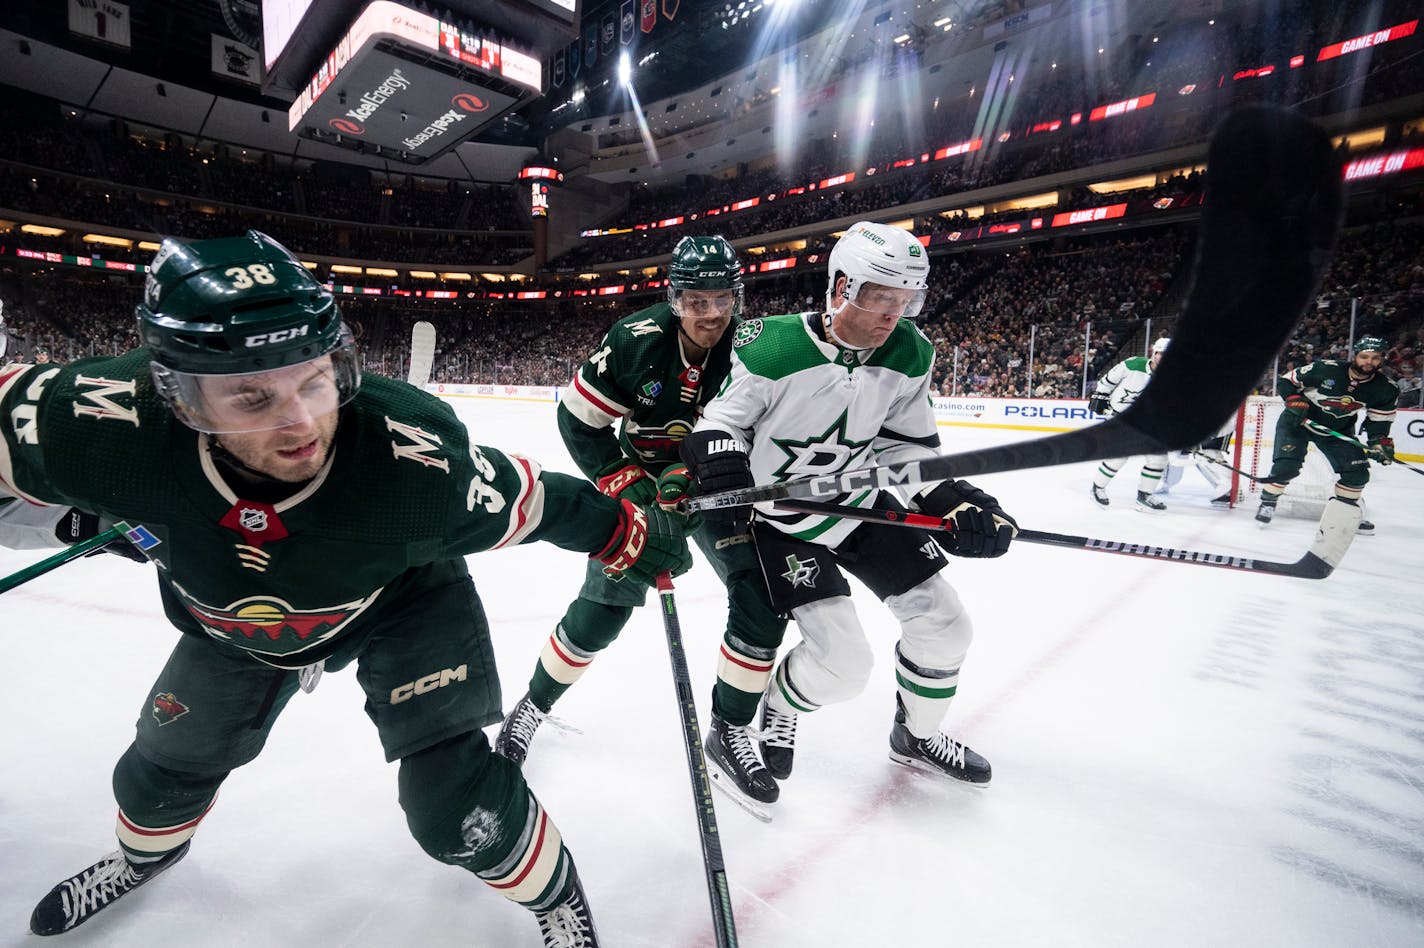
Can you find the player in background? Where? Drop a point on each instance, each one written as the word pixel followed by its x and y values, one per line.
pixel 651 375
pixel 303 514
pixel 820 393
pixel 1118 388
pixel 1332 393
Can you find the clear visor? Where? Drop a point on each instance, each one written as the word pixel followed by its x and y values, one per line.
pixel 903 302
pixel 262 401
pixel 706 304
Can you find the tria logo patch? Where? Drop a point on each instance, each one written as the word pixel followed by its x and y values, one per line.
pixel 167 708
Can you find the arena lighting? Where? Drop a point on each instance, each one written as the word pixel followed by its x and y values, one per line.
pixel 456 276
pixel 41 230
pixel 381 272
pixel 309 264
pixel 625 70
pixel 343 268
pixel 423 275
pixel 107 241
pixel 152 247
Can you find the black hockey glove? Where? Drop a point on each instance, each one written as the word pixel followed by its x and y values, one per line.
pixel 1100 405
pixel 76 526
pixel 647 541
pixel 981 528
pixel 718 462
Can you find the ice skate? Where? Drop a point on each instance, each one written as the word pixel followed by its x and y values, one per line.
pixel 1222 501
pixel 938 754
pixel 1101 496
pixel 733 766
pixel 1366 528
pixel 78 898
pixel 777 740
pixel 518 729
pixel 568 924
pixel 1266 511
pixel 1146 503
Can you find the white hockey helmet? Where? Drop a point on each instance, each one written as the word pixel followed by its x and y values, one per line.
pixel 1160 346
pixel 880 254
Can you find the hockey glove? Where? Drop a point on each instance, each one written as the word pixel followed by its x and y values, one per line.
pixel 1381 450
pixel 76 526
pixel 981 528
pixel 627 482
pixel 719 462
pixel 1099 404
pixel 646 542
pixel 1296 408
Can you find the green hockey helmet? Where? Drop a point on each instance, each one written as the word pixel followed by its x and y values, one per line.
pixel 705 263
pixel 245 310
pixel 1371 344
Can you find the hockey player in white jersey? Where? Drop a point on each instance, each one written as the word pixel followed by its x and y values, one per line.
pixel 1117 389
pixel 820 393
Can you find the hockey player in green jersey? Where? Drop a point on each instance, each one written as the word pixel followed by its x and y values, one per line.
pixel 652 373
pixel 301 513
pixel 820 393
pixel 1116 390
pixel 1332 394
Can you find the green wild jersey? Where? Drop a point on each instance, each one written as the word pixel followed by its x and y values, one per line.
pixel 1124 382
pixel 805 406
pixel 639 374
pixel 1336 400
pixel 285 581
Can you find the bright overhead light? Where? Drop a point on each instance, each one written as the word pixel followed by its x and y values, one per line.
pixel 903 38
pixel 41 230
pixel 344 268
pixel 107 240
pixel 625 69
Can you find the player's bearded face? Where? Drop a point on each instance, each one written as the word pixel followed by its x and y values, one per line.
pixel 706 314
pixel 1368 362
pixel 294 412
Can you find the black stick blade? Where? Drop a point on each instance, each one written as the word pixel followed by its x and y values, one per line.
pixel 1274 200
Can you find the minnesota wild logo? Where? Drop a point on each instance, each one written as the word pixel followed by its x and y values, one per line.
pixel 746 333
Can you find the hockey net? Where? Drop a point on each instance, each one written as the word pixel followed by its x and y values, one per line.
pixel 1252 446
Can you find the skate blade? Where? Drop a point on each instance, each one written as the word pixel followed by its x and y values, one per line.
pixel 920 766
pixel 762 811
pixel 560 725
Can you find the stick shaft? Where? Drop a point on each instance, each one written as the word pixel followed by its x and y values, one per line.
pixel 95 542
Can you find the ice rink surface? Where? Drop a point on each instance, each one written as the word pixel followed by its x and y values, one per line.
pixel 1182 756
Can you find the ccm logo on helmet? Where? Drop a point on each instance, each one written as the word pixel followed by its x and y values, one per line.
pixel 281 335
pixel 429 683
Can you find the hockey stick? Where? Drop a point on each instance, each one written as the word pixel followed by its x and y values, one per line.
pixel 1272 212
pixel 1322 430
pixel 96 542
pixel 1336 532
pixel 422 353
pixel 1235 470
pixel 717 890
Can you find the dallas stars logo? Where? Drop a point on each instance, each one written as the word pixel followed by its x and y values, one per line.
pixel 801 572
pixel 827 453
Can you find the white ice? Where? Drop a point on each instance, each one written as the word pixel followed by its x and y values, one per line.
pixel 1182 756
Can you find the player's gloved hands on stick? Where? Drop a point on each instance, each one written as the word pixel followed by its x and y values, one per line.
pixel 647 541
pixel 1381 450
pixel 981 528
pixel 718 461
pixel 1296 408
pixel 77 525
pixel 627 482
pixel 1099 404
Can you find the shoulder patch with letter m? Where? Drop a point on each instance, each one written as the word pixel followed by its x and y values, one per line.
pixel 423 447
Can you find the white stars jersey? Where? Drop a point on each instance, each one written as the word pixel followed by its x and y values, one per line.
pixel 805 406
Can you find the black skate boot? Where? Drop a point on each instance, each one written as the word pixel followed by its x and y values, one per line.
pixel 517 731
pixel 1101 496
pixel 940 754
pixel 1267 510
pixel 1146 503
pixel 1366 528
pixel 733 766
pixel 778 740
pixel 568 924
pixel 78 898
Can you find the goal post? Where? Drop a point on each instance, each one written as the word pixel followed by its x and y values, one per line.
pixel 1253 445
